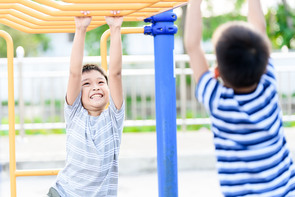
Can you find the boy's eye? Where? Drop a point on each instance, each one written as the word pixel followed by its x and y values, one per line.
pixel 101 82
pixel 85 84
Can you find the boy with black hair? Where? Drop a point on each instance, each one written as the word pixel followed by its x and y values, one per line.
pixel 252 154
pixel 93 132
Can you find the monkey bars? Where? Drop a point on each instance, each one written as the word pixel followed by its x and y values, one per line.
pixel 51 16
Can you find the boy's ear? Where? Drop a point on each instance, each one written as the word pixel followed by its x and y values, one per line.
pixel 216 72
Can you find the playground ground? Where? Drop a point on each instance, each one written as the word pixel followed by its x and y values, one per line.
pixel 138 175
pixel 191 183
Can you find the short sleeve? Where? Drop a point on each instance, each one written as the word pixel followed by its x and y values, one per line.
pixel 206 89
pixel 71 110
pixel 117 116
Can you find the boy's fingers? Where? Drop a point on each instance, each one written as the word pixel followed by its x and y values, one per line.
pixel 115 12
pixel 85 12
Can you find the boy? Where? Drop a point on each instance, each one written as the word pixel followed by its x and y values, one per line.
pixel 252 155
pixel 93 132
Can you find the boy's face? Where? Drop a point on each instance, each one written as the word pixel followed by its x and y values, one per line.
pixel 95 91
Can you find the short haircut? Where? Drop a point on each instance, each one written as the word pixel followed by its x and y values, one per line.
pixel 90 67
pixel 242 54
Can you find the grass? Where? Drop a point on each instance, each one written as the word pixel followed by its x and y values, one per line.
pixel 135 129
pixel 289 124
pixel 34 131
pixel 131 129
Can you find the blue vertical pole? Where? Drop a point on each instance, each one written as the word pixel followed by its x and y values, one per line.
pixel 163 30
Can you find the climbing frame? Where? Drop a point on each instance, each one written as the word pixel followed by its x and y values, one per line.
pixel 53 16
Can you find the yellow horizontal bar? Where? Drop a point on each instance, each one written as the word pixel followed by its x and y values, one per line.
pixel 50 12
pixel 33 13
pixel 151 10
pixel 46 4
pixel 175 1
pixel 140 14
pixel 22 28
pixel 170 4
pixel 121 1
pixel 37 17
pixel 33 20
pixel 37 172
pixel 111 1
pixel 52 25
pixel 163 5
pixel 36 27
pixel 132 30
pixel 96 20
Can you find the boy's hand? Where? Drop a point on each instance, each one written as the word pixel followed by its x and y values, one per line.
pixel 82 22
pixel 114 21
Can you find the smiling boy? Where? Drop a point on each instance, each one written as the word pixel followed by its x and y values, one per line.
pixel 93 132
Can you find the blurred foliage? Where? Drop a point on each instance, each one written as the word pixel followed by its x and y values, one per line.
pixel 280 21
pixel 281 26
pixel 32 43
pixel 210 24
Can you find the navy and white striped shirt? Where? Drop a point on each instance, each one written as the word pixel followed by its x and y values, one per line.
pixel 252 155
pixel 92 146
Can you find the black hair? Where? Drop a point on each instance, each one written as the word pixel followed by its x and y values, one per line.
pixel 90 67
pixel 242 55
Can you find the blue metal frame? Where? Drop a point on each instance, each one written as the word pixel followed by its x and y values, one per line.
pixel 163 30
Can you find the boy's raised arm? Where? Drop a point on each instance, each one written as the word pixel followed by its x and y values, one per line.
pixel 256 16
pixel 76 60
pixel 193 38
pixel 115 66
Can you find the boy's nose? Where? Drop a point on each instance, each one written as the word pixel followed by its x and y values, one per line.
pixel 95 87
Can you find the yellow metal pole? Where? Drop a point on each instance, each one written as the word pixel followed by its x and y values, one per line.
pixel 103 49
pixel 11 115
pixel 36 172
pixel 43 4
pixel 104 39
pixel 113 1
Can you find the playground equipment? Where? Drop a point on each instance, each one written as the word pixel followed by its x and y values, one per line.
pixel 49 16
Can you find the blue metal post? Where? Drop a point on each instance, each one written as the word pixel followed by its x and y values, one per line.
pixel 163 30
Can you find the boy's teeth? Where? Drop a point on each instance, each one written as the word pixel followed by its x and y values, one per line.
pixel 97 95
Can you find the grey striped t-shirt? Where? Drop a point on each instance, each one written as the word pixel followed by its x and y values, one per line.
pixel 92 147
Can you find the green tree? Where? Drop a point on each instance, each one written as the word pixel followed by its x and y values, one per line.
pixel 280 21
pixel 212 22
pixel 32 43
pixel 280 26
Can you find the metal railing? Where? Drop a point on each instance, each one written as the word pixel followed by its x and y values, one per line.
pixel 40 87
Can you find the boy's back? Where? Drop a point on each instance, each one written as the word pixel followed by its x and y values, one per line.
pixel 252 155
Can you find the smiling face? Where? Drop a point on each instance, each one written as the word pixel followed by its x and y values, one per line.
pixel 95 92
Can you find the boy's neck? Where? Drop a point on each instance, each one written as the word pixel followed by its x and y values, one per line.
pixel 94 113
pixel 242 90
pixel 246 89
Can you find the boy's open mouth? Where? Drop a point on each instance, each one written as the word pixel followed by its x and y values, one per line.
pixel 96 95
